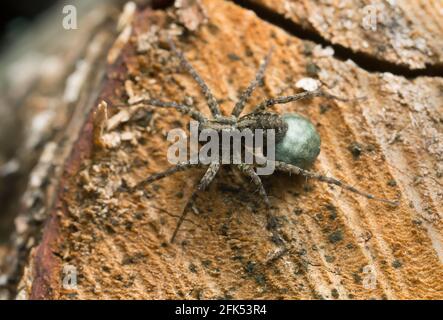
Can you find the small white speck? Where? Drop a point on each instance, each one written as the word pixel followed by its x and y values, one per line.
pixel 127 15
pixel 319 51
pixel 348 24
pixel 3 279
pixel 350 63
pixel 9 168
pixel 39 124
pixel 307 84
pixel 75 81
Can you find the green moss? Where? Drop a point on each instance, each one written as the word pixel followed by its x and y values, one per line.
pixel 301 144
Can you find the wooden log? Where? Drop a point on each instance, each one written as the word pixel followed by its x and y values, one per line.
pixel 341 246
pixel 403 35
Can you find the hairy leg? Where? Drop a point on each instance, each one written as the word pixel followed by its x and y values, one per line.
pixel 271 221
pixel 212 102
pixel 177 168
pixel 281 166
pixel 303 95
pixel 249 172
pixel 194 114
pixel 204 183
pixel 240 105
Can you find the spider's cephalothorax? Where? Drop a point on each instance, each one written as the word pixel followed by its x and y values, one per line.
pixel 261 123
pixel 297 141
pixel 252 121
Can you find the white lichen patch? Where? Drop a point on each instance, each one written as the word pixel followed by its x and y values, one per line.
pixel 40 125
pixel 133 96
pixel 148 40
pixel 103 188
pixel 407 45
pixel 127 15
pixel 79 77
pixel 37 178
pixel 320 52
pixel 100 121
pixel 190 13
pixel 40 172
pixel 308 84
pixel 106 133
pixel 121 117
pixel 422 106
pixel 118 45
pixel 75 81
pixel 10 167
pixel 113 140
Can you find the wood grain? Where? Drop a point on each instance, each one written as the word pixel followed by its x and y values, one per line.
pixel 342 246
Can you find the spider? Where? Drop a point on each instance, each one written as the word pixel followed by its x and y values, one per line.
pixel 258 118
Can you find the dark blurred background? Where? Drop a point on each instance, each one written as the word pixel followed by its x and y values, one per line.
pixel 16 15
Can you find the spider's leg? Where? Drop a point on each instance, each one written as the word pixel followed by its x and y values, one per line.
pixel 177 168
pixel 249 172
pixel 240 105
pixel 282 166
pixel 299 96
pixel 194 114
pixel 204 182
pixel 271 221
pixel 212 102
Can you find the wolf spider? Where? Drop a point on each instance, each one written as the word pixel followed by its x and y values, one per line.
pixel 258 118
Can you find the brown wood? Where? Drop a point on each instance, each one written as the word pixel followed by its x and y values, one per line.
pixel 390 145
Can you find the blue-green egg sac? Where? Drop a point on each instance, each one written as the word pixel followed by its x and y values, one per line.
pixel 301 144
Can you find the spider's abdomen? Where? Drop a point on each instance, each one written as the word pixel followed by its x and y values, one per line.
pixel 301 143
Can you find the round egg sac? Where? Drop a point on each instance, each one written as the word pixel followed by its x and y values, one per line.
pixel 301 144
